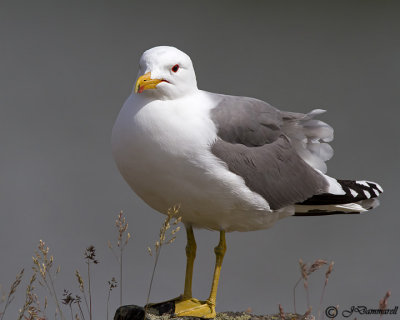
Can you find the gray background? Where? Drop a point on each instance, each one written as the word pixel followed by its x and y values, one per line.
pixel 66 69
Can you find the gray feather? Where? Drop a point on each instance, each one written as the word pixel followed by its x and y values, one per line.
pixel 273 170
pixel 309 137
pixel 254 145
pixel 247 121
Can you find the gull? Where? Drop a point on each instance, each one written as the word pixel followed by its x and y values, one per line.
pixel 232 163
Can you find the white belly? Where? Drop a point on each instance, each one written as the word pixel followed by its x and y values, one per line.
pixel 163 153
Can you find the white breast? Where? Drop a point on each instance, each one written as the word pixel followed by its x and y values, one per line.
pixel 162 149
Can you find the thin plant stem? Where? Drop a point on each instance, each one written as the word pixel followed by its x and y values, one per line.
pixel 53 294
pixel 82 289
pixel 55 297
pixel 42 266
pixel 308 296
pixel 90 257
pixel 13 288
pixel 122 227
pixel 85 299
pixel 5 307
pixel 321 299
pixel 151 281
pixel 90 293
pixel 108 302
pixel 72 315
pixel 294 294
pixel 164 238
pixel 29 298
pixel 111 285
pixel 86 303
pixel 152 276
pixel 327 274
pixel 120 276
pixel 80 310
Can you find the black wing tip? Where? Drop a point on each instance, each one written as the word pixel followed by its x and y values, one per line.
pixel 317 213
pixel 355 190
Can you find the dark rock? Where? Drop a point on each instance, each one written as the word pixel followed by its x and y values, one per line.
pixel 162 308
pixel 130 312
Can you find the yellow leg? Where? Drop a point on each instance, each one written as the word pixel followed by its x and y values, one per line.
pixel 189 306
pixel 219 253
pixel 190 255
pixel 191 248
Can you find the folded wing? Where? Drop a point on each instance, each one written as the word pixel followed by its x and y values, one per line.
pixel 255 142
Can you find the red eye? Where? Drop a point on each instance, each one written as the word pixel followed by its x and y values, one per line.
pixel 175 68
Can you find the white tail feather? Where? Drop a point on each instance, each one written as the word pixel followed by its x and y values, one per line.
pixel 360 206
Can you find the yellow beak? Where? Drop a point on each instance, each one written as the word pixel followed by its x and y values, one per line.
pixel 145 82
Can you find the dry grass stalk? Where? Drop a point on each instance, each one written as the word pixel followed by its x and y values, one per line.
pixel 294 294
pixel 31 305
pixel 111 285
pixel 329 271
pixel 327 274
pixel 281 313
pixel 167 235
pixel 82 290
pixel 122 227
pixel 78 301
pixel 11 293
pixel 383 303
pixel 68 300
pixel 316 265
pixel 42 266
pixel 90 257
pixel 303 270
pixel 305 273
pixel 304 276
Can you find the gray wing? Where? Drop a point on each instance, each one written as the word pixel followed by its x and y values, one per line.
pixel 246 121
pixel 252 144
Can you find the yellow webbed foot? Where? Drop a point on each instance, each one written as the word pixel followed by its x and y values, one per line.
pixel 194 308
